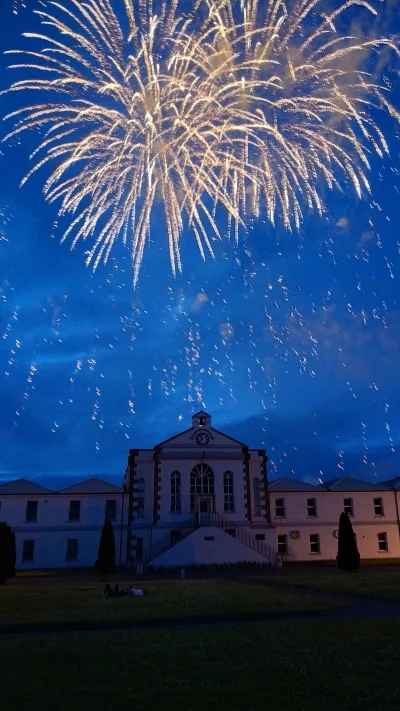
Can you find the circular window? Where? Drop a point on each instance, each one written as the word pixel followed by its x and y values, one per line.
pixel 336 533
pixel 295 535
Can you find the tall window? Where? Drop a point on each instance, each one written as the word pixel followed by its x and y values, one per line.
pixel 348 507
pixel 229 498
pixel 139 495
pixel 72 549
pixel 175 492
pixel 280 508
pixel 282 544
pixel 28 550
pixel 201 483
pixel 382 542
pixel 312 508
pixel 314 543
pixel 31 511
pixel 378 507
pixel 111 510
pixel 257 496
pixel 74 510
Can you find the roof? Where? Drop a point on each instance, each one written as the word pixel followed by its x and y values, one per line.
pixel 346 483
pixel 92 486
pixel 286 484
pixel 202 413
pixel 391 483
pixel 23 486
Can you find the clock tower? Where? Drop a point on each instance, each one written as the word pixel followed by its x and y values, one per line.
pixel 201 419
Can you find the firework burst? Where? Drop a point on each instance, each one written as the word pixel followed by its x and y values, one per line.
pixel 235 108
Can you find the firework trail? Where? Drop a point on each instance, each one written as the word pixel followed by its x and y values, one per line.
pixel 236 109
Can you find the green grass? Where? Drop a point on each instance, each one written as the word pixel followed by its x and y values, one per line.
pixel 365 582
pixel 172 599
pixel 304 666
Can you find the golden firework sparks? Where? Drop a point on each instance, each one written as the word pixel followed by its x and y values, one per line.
pixel 239 107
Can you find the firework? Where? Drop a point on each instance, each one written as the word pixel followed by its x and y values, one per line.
pixel 236 109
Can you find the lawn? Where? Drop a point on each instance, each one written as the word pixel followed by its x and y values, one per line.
pixel 166 600
pixel 290 666
pixel 366 582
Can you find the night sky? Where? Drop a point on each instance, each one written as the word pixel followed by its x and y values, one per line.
pixel 290 341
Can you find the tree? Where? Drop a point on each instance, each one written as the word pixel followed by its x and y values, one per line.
pixel 105 562
pixel 348 557
pixel 7 553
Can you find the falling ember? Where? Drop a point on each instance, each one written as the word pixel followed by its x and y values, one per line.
pixel 244 108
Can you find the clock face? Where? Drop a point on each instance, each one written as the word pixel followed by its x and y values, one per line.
pixel 202 439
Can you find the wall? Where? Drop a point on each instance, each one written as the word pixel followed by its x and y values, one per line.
pixel 329 507
pixel 194 550
pixel 52 528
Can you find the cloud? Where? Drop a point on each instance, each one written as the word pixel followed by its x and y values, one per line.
pixel 343 223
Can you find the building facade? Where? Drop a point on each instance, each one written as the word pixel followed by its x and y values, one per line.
pixel 199 498
pixel 305 518
pixel 61 529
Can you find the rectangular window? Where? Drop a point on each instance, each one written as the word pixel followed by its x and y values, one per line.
pixel 31 511
pixel 139 549
pixel 111 510
pixel 72 549
pixel 382 542
pixel 139 497
pixel 208 538
pixel 378 507
pixel 312 508
pixel 229 499
pixel 348 507
pixel 74 511
pixel 314 543
pixel 175 506
pixel 28 550
pixel 260 536
pixel 280 508
pixel 282 544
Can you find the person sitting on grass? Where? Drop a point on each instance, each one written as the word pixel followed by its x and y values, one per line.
pixel 109 592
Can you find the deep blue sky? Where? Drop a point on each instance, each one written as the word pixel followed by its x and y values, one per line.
pixel 291 342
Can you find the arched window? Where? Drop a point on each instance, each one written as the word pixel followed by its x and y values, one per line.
pixel 201 483
pixel 257 497
pixel 176 492
pixel 229 498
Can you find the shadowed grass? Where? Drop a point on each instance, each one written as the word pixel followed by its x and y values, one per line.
pixel 171 599
pixel 303 666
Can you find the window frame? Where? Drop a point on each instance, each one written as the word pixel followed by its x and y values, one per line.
pixel 27 518
pixel 317 543
pixel 74 519
pixel 384 541
pixel 312 507
pixel 175 503
pixel 68 558
pixel 280 506
pixel 110 518
pixel 229 491
pixel 380 506
pixel 348 507
pixel 24 558
pixel 282 543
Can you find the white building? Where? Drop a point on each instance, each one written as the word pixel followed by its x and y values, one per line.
pixel 305 518
pixel 199 498
pixel 57 529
